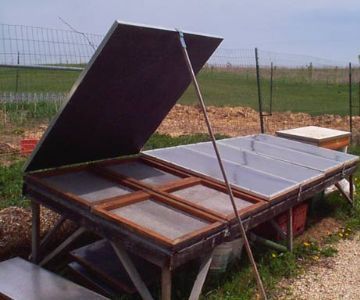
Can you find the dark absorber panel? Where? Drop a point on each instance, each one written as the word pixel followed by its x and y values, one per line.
pixel 134 79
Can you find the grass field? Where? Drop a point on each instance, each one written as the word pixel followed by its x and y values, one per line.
pixel 294 92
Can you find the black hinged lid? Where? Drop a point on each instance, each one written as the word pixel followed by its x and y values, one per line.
pixel 133 80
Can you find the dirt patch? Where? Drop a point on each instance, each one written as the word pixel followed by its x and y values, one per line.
pixel 185 119
pixel 320 230
pixel 236 121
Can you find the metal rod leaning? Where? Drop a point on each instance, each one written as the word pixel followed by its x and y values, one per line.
pixel 350 102
pixel 213 140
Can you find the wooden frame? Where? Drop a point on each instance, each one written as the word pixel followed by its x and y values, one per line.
pixel 105 208
pixel 255 203
pixel 37 181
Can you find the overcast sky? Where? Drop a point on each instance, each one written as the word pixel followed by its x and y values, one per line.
pixel 322 28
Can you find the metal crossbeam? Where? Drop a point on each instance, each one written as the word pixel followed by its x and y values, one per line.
pixel 131 270
pixel 63 245
pixel 200 278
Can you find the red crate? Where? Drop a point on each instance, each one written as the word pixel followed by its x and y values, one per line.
pixel 299 222
pixel 28 145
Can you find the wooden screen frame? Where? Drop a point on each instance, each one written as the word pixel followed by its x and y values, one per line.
pixel 105 208
pixel 243 212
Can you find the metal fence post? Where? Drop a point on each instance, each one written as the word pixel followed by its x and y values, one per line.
pixel 261 116
pixel 271 86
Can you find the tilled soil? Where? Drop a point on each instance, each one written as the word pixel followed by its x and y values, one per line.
pixel 236 121
pixel 335 277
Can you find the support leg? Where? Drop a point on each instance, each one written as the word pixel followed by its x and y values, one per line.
pixel 165 284
pixel 63 245
pixel 290 236
pixel 278 229
pixel 44 242
pixel 351 188
pixel 35 231
pixel 132 272
pixel 200 278
pixel 348 197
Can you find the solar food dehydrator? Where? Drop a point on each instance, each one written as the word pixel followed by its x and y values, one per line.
pixel 169 205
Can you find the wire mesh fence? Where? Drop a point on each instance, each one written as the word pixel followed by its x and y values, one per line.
pixel 38 66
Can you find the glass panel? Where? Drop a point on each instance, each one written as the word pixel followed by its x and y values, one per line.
pixel 281 153
pixel 261 184
pixel 310 149
pixel 264 164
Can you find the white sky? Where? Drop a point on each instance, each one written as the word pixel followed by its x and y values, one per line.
pixel 323 28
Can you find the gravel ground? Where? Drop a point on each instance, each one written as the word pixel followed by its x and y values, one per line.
pixel 335 277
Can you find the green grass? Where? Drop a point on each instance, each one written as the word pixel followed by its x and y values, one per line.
pixel 292 92
pixel 30 80
pixel 233 89
pixel 11 185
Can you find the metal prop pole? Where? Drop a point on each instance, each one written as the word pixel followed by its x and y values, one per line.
pixel 213 140
pixel 350 101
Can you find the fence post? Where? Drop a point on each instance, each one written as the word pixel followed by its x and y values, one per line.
pixel 259 92
pixel 271 87
pixel 350 100
pixel 17 73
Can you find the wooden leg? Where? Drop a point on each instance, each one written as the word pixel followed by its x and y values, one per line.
pixel 35 231
pixel 165 284
pixel 131 270
pixel 290 230
pixel 200 278
pixel 63 245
